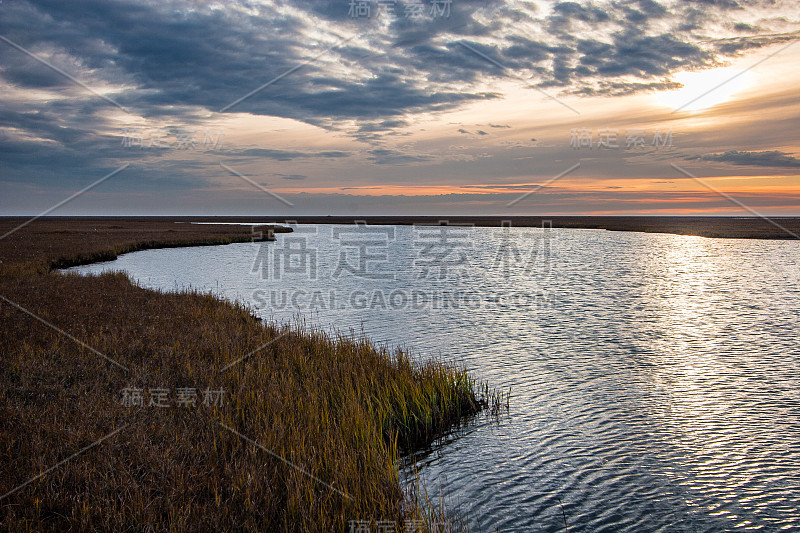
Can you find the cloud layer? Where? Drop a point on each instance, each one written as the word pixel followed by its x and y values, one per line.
pixel 182 63
pixel 169 58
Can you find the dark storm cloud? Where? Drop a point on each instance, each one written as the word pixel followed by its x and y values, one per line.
pixel 178 54
pixel 727 4
pixel 384 125
pixel 641 55
pixel 384 156
pixel 770 158
pixel 738 44
pixel 623 88
pixel 41 124
pixel 182 61
pixel 42 147
pixel 285 155
pixel 744 27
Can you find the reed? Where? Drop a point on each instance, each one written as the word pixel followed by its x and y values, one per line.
pixel 307 435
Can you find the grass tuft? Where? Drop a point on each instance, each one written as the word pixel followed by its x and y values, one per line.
pixel 307 435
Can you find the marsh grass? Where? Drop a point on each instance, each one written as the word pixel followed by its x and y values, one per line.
pixel 307 437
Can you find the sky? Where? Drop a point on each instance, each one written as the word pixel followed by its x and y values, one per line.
pixel 431 107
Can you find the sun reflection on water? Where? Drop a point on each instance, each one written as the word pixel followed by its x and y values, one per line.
pixel 712 434
pixel 658 393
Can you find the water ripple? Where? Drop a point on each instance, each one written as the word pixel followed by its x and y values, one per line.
pixel 656 390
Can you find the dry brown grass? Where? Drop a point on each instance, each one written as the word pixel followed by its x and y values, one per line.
pixel 338 410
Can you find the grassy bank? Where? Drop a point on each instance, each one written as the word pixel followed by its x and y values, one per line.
pixel 260 428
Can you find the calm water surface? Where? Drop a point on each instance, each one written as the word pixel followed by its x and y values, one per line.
pixel 654 378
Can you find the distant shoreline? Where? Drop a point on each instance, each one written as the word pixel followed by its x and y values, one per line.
pixel 778 228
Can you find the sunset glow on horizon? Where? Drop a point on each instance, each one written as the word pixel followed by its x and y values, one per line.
pixel 437 118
